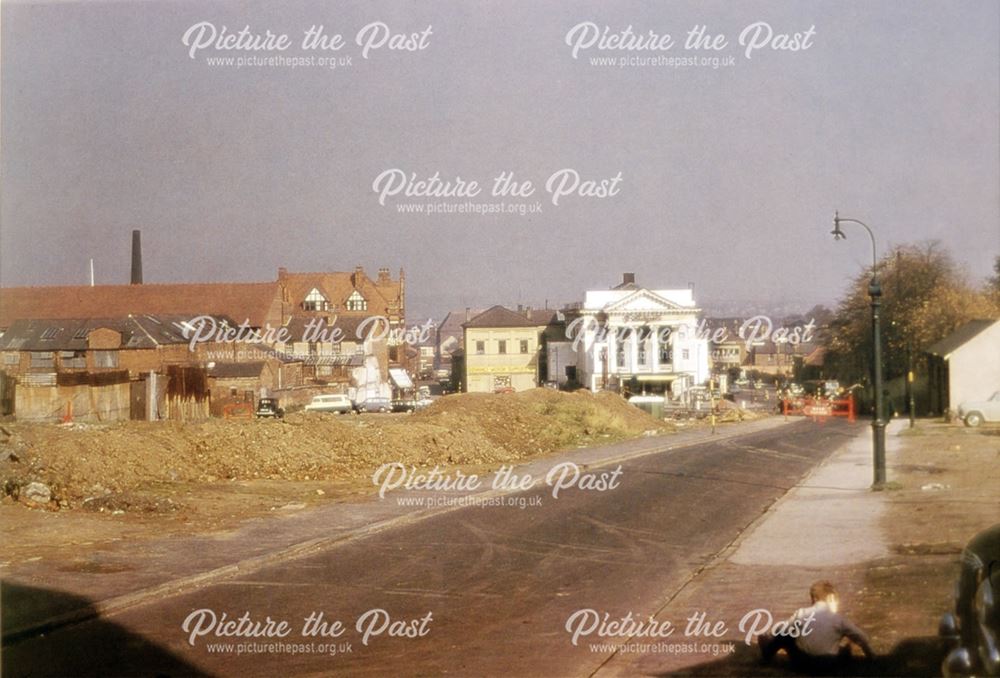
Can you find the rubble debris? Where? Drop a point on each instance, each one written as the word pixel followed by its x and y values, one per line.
pixel 36 493
pixel 105 467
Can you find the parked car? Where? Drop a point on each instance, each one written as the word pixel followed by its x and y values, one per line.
pixel 972 630
pixel 404 405
pixel 975 412
pixel 373 405
pixel 268 408
pixel 410 404
pixel 330 402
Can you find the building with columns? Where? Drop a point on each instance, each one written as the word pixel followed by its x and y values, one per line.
pixel 636 340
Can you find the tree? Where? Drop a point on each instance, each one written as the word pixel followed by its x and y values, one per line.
pixel 924 298
pixel 993 284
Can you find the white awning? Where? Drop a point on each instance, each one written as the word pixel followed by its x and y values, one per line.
pixel 400 378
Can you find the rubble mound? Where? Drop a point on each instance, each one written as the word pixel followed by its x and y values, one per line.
pixel 101 465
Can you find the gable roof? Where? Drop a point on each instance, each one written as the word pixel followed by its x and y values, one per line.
pixel 499 316
pixel 383 295
pixel 965 333
pixel 252 302
pixel 256 303
pixel 451 324
pixel 71 334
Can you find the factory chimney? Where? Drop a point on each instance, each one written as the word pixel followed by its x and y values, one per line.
pixel 136 258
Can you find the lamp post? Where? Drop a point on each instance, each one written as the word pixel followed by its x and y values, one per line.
pixel 875 292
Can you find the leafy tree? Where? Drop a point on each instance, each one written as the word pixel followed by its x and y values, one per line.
pixel 924 298
pixel 993 284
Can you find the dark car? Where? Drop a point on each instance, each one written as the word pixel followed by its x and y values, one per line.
pixel 972 631
pixel 410 404
pixel 404 405
pixel 373 405
pixel 268 407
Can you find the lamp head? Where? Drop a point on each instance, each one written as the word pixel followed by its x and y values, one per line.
pixel 836 232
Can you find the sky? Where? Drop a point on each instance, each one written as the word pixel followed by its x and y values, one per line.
pixel 730 167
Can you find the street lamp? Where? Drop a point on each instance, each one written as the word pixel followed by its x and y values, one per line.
pixel 875 292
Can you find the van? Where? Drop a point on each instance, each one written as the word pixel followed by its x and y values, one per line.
pixel 331 402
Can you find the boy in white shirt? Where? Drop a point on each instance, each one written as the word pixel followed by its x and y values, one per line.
pixel 817 639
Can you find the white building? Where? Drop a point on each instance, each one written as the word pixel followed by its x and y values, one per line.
pixel 642 340
pixel 965 365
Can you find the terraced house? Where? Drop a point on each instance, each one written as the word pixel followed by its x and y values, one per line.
pixel 62 330
pixel 503 350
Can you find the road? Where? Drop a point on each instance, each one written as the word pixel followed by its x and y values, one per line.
pixel 499 583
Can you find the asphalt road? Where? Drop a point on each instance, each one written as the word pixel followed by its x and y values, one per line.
pixel 499 582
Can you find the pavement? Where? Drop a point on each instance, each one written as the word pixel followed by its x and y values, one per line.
pixel 501 582
pixel 829 519
pixel 827 527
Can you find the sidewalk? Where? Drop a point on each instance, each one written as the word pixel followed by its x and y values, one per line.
pixel 828 527
pixel 135 571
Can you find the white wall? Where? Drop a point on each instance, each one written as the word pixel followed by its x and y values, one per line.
pixel 974 368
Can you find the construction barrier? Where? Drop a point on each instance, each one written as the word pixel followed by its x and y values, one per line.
pixel 238 411
pixel 819 408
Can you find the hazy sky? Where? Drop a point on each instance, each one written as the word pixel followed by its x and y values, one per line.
pixel 729 175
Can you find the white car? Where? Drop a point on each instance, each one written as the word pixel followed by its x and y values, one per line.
pixel 331 402
pixel 975 412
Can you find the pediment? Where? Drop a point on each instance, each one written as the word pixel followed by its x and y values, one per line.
pixel 645 301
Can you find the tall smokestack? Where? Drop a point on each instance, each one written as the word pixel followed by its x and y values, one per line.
pixel 136 258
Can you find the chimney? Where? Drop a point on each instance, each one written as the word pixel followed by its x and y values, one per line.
pixel 468 314
pixel 136 258
pixel 383 276
pixel 628 278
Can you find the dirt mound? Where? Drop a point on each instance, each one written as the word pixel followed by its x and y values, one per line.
pixel 93 464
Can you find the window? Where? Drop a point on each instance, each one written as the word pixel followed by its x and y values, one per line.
pixel 315 301
pixel 105 358
pixel 524 346
pixel 480 347
pixel 11 359
pixel 665 354
pixel 50 333
pixel 43 359
pixel 81 333
pixel 642 339
pixel 356 302
pixel 685 354
pixel 621 355
pixel 72 359
pixel 502 346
